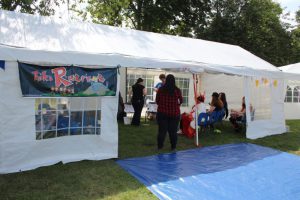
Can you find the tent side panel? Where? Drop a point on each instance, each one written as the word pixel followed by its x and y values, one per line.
pixel 276 123
pixel 292 110
pixel 232 86
pixel 16 113
pixel 19 149
pixel 292 105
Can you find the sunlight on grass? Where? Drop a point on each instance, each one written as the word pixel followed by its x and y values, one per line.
pixel 140 193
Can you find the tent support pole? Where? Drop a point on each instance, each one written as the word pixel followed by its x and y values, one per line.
pixel 196 126
pixel 195 82
pixel 247 81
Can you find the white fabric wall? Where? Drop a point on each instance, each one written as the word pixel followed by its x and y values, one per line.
pixel 276 123
pixel 232 86
pixel 292 110
pixel 19 149
pixel 235 87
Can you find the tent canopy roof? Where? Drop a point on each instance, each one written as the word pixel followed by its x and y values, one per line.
pixel 44 57
pixel 291 72
pixel 71 42
pixel 293 68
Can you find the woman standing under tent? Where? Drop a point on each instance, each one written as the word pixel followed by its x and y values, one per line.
pixel 137 100
pixel 168 99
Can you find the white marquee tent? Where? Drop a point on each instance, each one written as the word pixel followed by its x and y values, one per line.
pixel 46 41
pixel 292 103
pixel 293 68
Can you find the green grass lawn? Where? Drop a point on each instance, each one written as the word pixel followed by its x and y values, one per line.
pixel 93 180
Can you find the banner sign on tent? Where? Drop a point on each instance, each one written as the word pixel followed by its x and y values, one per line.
pixel 66 81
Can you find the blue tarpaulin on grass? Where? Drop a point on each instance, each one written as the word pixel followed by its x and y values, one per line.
pixel 233 171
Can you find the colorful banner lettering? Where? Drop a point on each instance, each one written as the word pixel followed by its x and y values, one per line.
pixel 66 81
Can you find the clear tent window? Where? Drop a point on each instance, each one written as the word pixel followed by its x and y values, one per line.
pixel 57 117
pixel 149 77
pixel 292 94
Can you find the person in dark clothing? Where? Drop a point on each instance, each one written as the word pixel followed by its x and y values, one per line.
pixel 168 99
pixel 222 97
pixel 216 105
pixel 137 100
pixel 121 107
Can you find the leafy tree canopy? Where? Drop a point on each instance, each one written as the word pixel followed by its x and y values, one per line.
pixel 42 7
pixel 173 17
pixel 298 17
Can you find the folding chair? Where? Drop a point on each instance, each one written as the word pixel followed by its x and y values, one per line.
pixel 203 121
pixel 151 109
pixel 129 110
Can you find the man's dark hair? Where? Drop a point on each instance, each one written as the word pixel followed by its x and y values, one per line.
pixel 161 76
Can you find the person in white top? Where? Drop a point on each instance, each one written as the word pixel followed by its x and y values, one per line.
pixel 200 107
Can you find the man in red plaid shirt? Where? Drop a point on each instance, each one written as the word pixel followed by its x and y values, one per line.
pixel 168 99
